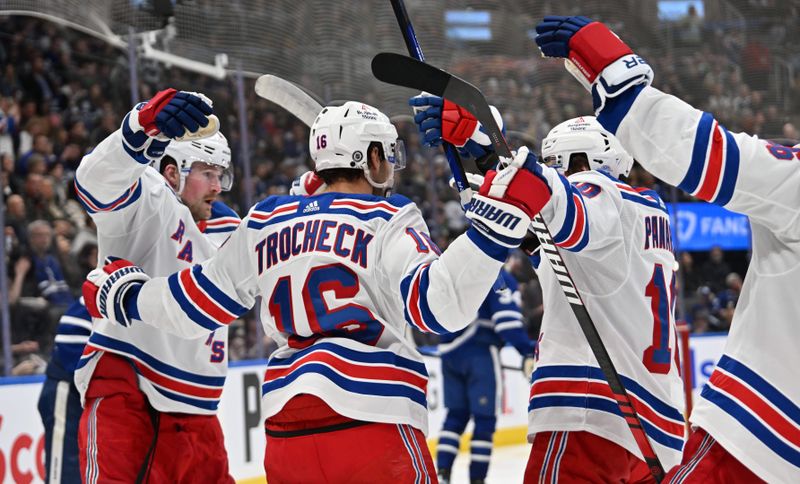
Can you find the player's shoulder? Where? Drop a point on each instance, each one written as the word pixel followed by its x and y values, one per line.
pixel 220 210
pixel 643 197
pixel 365 208
pixel 223 219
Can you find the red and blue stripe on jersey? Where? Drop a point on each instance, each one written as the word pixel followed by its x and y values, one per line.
pixel 757 405
pixel 200 391
pixel 92 205
pixel 714 166
pixel 417 311
pixel 201 300
pixel 586 387
pixel 274 210
pixel 640 195
pixel 223 220
pixel 370 373
pixel 574 232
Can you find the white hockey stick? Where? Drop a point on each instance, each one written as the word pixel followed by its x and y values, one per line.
pixel 289 97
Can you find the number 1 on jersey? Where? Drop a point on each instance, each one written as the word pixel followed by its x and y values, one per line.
pixel 658 356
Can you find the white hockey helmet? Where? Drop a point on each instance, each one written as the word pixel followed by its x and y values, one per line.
pixel 213 150
pixel 341 136
pixel 585 135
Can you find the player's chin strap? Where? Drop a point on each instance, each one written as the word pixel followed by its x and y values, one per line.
pixel 387 185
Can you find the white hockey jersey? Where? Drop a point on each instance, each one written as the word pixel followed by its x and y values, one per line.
pixel 342 277
pixel 751 404
pixel 617 244
pixel 140 218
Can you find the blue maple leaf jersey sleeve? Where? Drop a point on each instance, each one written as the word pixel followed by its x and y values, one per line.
pixel 688 148
pixel 504 304
pixel 434 293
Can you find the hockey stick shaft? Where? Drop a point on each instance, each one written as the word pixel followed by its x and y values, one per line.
pixel 450 152
pixel 401 70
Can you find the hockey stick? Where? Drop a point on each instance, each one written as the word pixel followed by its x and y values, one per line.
pixel 290 97
pixel 450 152
pixel 405 71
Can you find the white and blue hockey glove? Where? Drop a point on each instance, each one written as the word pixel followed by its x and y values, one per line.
pixel 170 115
pixel 509 198
pixel 599 59
pixel 110 292
pixel 307 184
pixel 438 119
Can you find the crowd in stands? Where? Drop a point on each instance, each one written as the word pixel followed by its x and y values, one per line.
pixel 62 92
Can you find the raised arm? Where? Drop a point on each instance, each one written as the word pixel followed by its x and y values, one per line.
pixel 189 303
pixel 676 142
pixel 108 178
pixel 442 293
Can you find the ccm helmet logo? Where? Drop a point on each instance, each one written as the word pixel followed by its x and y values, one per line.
pixel 494 214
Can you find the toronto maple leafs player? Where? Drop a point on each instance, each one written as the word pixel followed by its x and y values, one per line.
pixel 342 273
pixel 616 242
pixel 747 421
pixel 150 397
pixel 472 379
pixel 60 401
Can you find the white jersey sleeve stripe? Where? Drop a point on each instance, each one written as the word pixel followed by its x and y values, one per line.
pixel 414 290
pixel 203 301
pixel 92 205
pixel 715 163
pixel 574 232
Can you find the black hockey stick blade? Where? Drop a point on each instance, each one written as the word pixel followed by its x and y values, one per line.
pixel 401 70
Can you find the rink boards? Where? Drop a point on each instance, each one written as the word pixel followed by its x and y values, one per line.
pixel 22 442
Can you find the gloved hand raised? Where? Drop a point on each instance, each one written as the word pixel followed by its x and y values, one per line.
pixel 509 198
pixel 438 119
pixel 110 292
pixel 601 61
pixel 170 115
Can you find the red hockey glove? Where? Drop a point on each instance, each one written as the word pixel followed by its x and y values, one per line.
pixel 110 292
pixel 509 198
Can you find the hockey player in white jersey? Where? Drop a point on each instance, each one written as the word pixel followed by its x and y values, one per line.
pixel 342 273
pixel 747 421
pixel 616 241
pixel 150 397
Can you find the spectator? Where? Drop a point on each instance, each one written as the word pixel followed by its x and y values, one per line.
pixel 48 279
pixel 729 298
pixel 691 277
pixel 715 269
pixel 43 146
